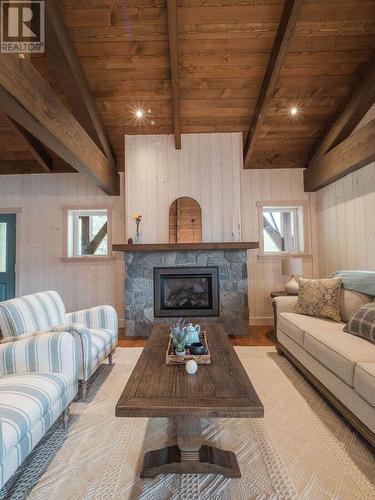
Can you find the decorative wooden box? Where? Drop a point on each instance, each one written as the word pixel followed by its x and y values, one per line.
pixel 201 359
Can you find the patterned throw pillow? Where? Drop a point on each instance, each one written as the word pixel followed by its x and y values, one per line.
pixel 319 298
pixel 362 323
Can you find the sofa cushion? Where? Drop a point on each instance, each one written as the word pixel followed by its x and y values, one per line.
pixel 319 298
pixel 102 342
pixel 364 381
pixel 290 324
pixel 31 313
pixel 294 325
pixel 362 323
pixel 350 302
pixel 27 399
pixel 339 351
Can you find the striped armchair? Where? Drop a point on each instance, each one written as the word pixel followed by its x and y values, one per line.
pixel 94 330
pixel 38 381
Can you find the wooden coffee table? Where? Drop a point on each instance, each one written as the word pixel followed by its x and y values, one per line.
pixel 221 389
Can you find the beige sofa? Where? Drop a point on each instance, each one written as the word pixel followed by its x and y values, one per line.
pixel 340 365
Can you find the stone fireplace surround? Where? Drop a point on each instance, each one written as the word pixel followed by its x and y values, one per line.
pixel 140 261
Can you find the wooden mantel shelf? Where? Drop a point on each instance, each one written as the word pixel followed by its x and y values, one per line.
pixel 168 247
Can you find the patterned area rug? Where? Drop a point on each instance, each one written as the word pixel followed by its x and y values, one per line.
pixel 301 449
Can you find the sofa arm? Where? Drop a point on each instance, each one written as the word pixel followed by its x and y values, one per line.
pixel 96 317
pixel 285 303
pixel 46 352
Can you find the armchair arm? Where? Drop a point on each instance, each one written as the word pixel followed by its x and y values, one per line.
pixel 285 303
pixel 46 352
pixel 96 317
pixel 83 342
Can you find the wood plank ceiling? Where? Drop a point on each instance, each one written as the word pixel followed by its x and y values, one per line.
pixel 223 50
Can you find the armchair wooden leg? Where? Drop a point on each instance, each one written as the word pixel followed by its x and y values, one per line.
pixel 66 417
pixel 83 389
pixel 110 361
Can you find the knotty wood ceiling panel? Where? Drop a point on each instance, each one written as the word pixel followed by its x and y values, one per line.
pixel 224 46
pixel 330 46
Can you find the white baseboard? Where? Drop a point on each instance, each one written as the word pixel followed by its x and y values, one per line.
pixel 261 320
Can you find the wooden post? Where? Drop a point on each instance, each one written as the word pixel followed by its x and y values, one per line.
pixel 189 438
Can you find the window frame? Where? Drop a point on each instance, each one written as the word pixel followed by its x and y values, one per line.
pixel 80 258
pixel 304 236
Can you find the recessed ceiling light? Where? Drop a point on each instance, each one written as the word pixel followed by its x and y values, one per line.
pixel 152 122
pixel 293 111
pixel 139 114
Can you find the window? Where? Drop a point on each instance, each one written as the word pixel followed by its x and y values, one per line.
pixel 88 233
pixel 282 229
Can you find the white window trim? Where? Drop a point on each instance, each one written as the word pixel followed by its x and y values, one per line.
pixel 306 228
pixel 87 258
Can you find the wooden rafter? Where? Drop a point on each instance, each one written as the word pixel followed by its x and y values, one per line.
pixel 351 154
pixel 28 99
pixel 280 47
pixel 63 60
pixel 359 103
pixel 173 57
pixel 273 233
pixel 98 238
pixel 33 145
pixel 20 167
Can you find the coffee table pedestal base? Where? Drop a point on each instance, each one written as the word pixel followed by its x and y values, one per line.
pixel 211 461
pixel 190 457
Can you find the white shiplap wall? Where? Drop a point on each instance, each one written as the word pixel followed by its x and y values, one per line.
pixel 209 169
pixel 346 219
pixel 346 214
pixel 265 273
pixel 40 239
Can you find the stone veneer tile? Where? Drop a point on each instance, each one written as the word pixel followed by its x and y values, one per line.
pixel 139 283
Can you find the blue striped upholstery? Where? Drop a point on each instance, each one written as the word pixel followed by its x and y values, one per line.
pixel 102 342
pixel 38 381
pixel 95 330
pixel 94 343
pixel 55 352
pixel 31 313
pixel 96 317
pixel 29 404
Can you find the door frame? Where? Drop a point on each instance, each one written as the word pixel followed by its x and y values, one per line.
pixel 18 213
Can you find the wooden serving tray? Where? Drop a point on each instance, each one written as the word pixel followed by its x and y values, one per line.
pixel 201 359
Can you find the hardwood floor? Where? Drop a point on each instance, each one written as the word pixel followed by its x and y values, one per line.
pixel 258 336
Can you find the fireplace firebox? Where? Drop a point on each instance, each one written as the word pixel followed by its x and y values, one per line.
pixel 186 291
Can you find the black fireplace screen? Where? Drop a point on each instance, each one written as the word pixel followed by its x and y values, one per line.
pixel 186 291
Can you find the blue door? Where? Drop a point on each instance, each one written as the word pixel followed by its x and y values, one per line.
pixel 7 256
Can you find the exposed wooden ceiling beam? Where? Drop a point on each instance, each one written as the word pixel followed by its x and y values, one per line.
pixel 35 147
pixel 173 57
pixel 280 47
pixel 29 100
pixel 360 102
pixel 275 161
pixel 63 60
pixel 19 167
pixel 351 154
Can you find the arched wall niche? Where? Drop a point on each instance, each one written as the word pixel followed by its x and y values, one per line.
pixel 185 221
